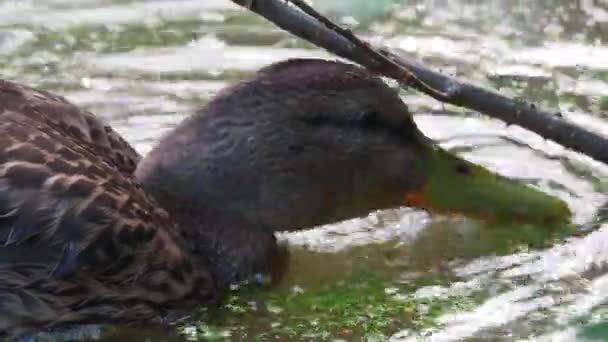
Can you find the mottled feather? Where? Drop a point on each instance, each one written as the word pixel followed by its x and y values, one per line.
pixel 79 240
pixel 58 113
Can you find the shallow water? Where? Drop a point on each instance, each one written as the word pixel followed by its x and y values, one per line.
pixel 144 65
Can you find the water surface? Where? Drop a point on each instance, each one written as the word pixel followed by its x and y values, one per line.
pixel 145 65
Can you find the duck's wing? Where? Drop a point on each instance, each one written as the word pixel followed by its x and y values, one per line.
pixel 63 116
pixel 76 234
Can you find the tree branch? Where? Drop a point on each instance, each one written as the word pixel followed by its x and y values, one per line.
pixel 304 22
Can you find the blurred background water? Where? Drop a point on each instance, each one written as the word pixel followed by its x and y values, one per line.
pixel 145 64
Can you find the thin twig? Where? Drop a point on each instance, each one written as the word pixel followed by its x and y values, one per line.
pixel 321 32
pixel 404 76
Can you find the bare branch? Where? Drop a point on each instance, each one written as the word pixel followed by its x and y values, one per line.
pixel 304 22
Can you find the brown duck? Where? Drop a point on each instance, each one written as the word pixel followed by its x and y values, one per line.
pixel 89 233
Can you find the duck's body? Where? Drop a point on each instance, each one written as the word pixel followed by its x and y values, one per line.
pixel 80 241
pixel 302 143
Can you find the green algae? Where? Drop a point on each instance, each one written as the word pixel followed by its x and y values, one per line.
pixel 360 307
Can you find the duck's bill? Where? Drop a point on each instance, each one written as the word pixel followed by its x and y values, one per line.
pixel 456 186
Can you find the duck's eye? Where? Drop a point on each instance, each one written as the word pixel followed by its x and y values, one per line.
pixel 463 169
pixel 317 120
pixel 368 119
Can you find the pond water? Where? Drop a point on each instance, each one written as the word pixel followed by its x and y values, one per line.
pixel 399 274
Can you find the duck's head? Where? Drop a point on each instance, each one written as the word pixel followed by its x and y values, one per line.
pixel 308 142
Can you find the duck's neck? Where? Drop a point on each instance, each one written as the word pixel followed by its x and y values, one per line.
pixel 235 248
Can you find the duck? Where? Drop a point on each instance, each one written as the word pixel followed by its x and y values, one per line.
pixel 92 232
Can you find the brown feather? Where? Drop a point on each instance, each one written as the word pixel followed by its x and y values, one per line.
pixel 63 116
pixel 79 240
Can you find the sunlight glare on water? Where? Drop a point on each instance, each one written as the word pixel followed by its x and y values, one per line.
pixel 145 65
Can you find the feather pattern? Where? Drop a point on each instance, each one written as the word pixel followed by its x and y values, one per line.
pixel 79 239
pixel 66 118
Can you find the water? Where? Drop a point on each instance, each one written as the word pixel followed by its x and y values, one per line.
pixel 398 274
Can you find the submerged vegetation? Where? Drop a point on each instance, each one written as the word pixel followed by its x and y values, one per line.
pixel 363 304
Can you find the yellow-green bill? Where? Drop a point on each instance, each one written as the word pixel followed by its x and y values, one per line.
pixel 456 186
